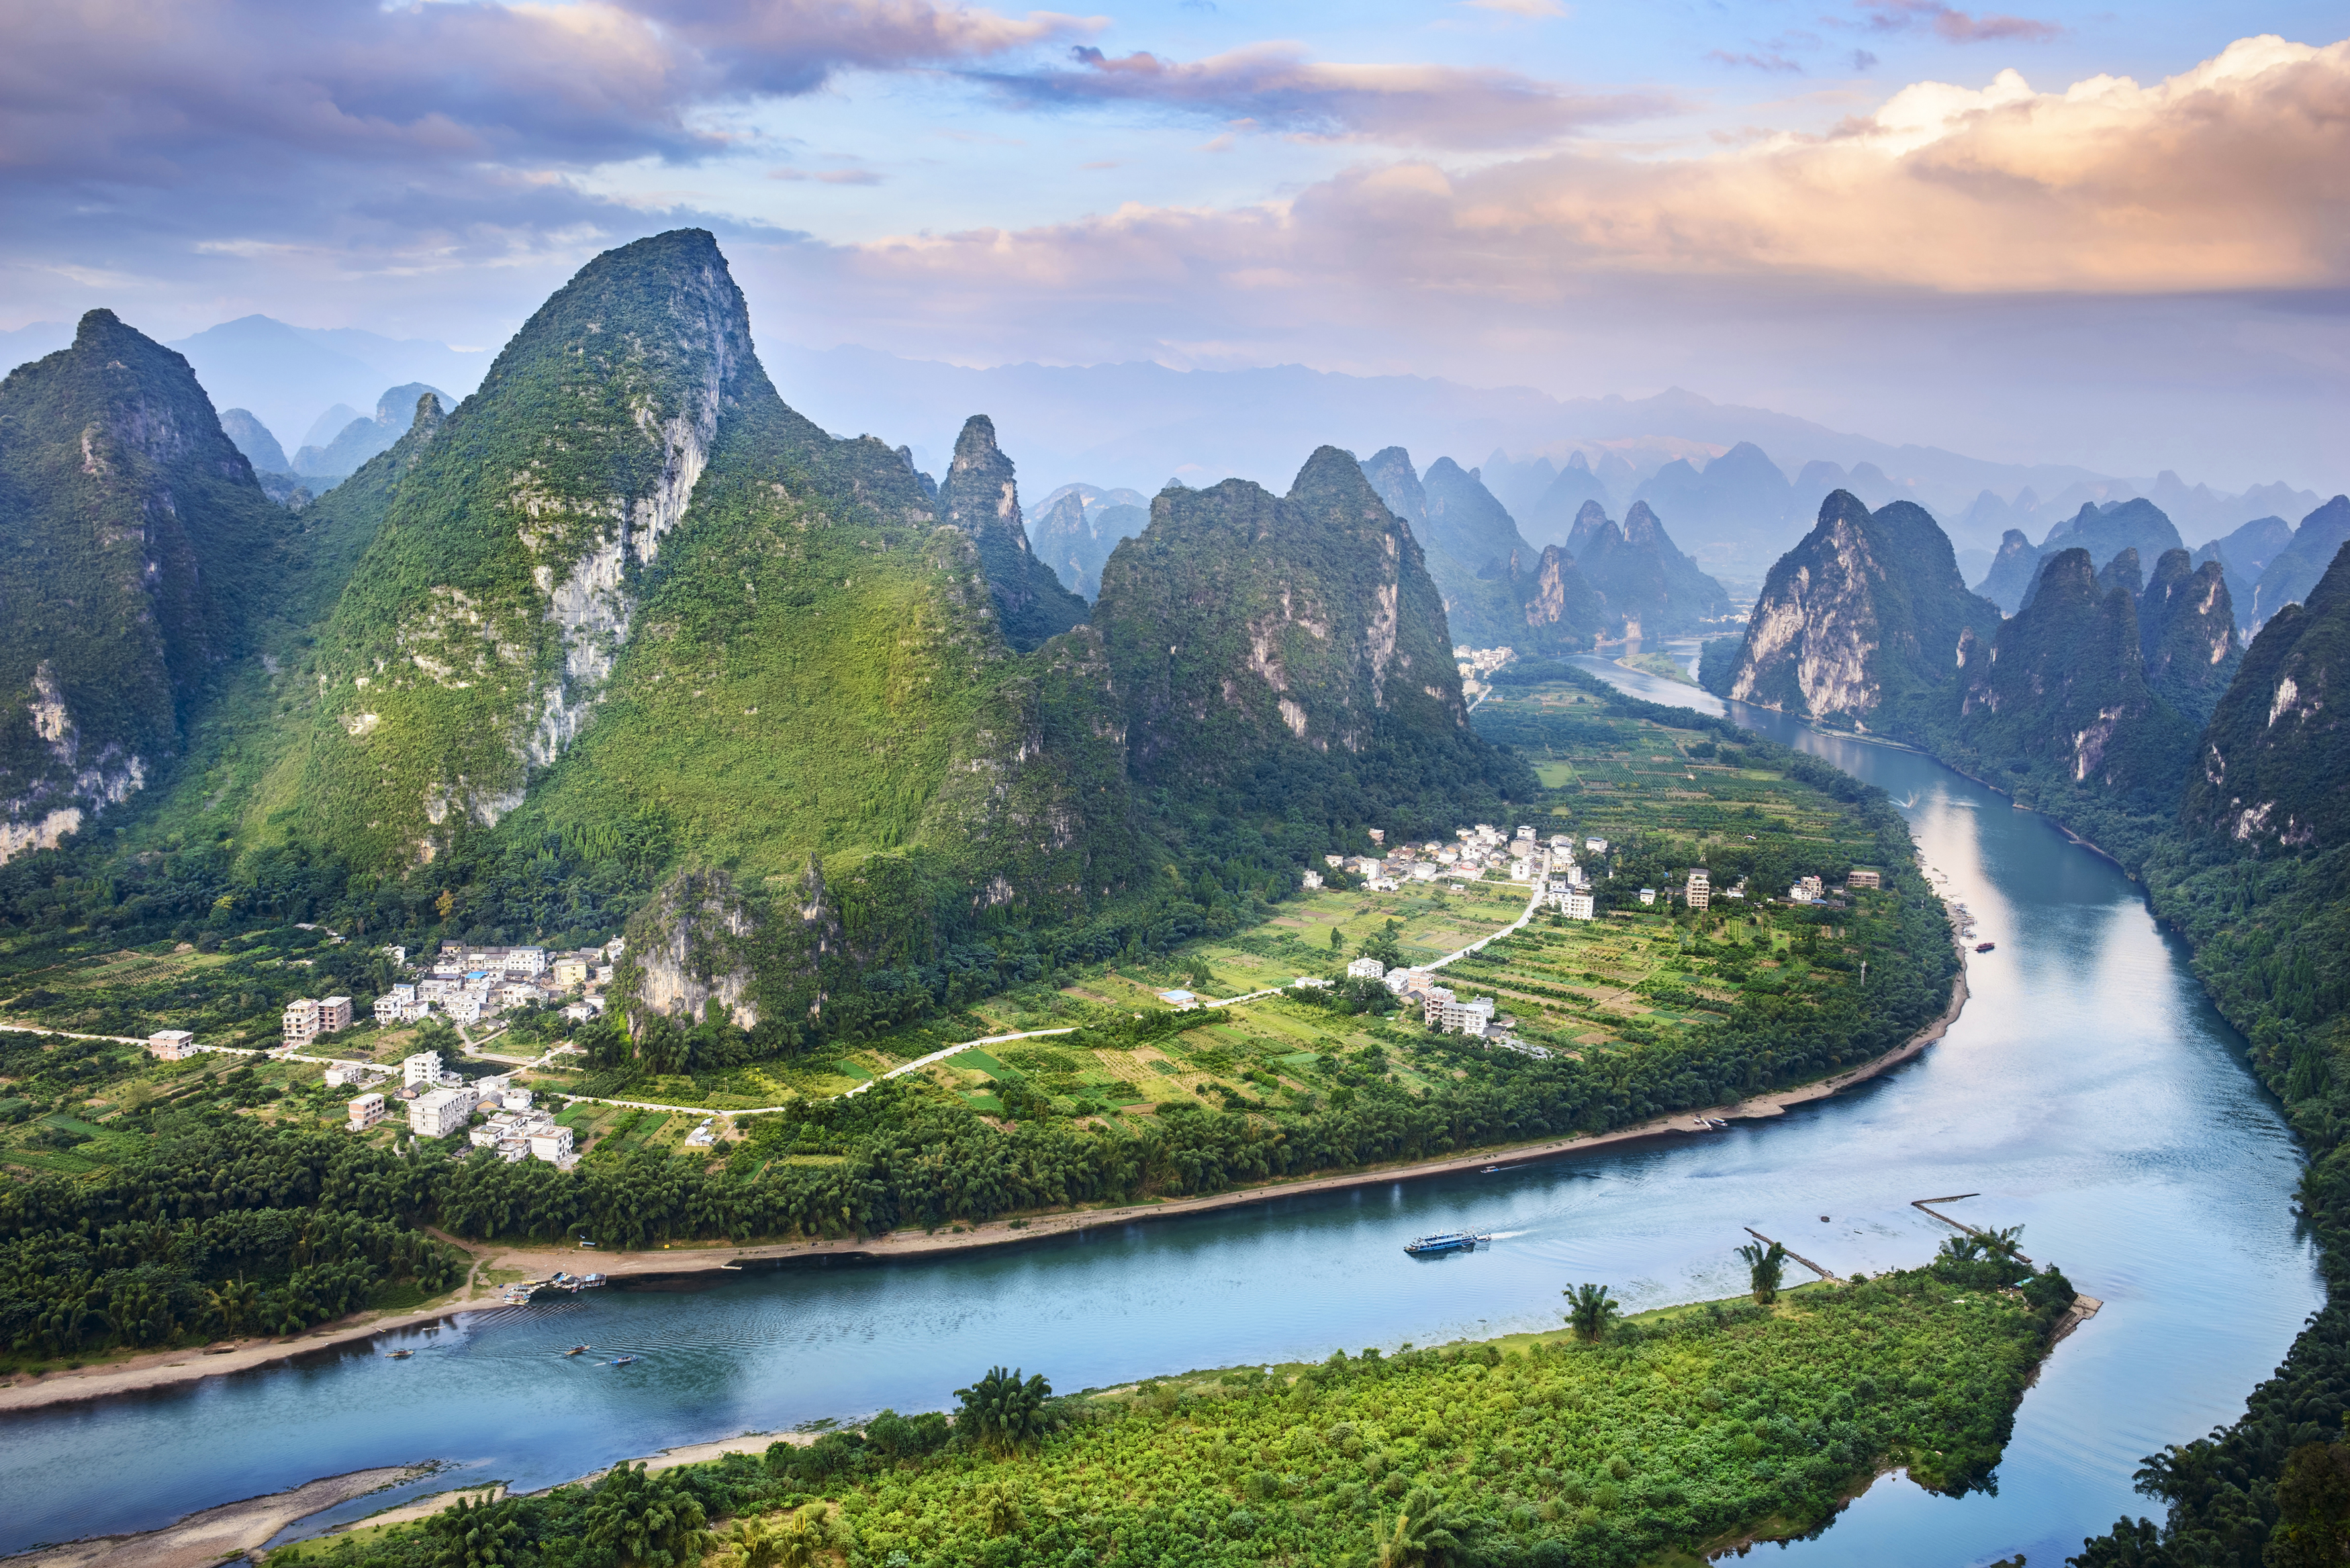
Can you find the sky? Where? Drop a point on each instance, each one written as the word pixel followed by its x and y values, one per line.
pixel 2064 234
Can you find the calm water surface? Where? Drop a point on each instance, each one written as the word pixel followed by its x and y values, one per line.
pixel 2088 1093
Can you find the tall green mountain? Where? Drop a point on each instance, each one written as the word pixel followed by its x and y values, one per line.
pixel 1292 652
pixel 253 439
pixel 139 557
pixel 2011 572
pixel 2292 576
pixel 1498 591
pixel 629 613
pixel 2064 694
pixel 2276 755
pixel 2186 628
pixel 1649 587
pixel 1866 621
pixel 980 496
pixel 2106 531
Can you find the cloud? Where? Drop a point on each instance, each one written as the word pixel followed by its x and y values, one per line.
pixel 1954 25
pixel 1274 86
pixel 826 176
pixel 1772 61
pixel 2233 175
pixel 1532 10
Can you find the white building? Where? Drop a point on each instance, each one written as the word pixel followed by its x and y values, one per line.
pixel 1337 862
pixel 1648 895
pixel 171 1045
pixel 463 1008
pixel 1365 969
pixel 1426 871
pixel 1522 870
pixel 439 1113
pixel 301 1020
pixel 1596 846
pixel 1465 1017
pixel 553 1145
pixel 1579 905
pixel 423 1069
pixel 365 1112
pixel 1807 891
pixel 346 1072
pixel 1181 1001
pixel 1313 879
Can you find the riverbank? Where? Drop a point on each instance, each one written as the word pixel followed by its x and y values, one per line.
pixel 231 1530
pixel 165 1369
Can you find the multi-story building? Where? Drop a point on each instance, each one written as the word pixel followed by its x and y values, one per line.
pixel 365 1112
pixel 333 1013
pixel 171 1045
pixel 1860 878
pixel 1365 969
pixel 1648 895
pixel 439 1113
pixel 1699 891
pixel 1596 846
pixel 1579 905
pixel 423 1069
pixel 1432 1004
pixel 1312 880
pixel 553 1145
pixel 1465 1017
pixel 301 1020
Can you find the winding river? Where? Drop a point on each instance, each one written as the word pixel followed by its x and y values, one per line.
pixel 2088 1093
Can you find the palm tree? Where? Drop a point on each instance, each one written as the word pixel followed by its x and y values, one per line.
pixel 2006 1244
pixel 1763 1268
pixel 1000 1413
pixel 1424 1534
pixel 1590 1310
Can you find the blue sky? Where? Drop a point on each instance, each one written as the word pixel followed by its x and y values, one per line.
pixel 1883 213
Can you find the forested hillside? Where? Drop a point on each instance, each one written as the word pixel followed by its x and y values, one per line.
pixel 138 557
pixel 2256 873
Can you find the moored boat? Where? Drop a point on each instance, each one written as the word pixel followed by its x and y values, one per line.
pixel 398 1355
pixel 1985 947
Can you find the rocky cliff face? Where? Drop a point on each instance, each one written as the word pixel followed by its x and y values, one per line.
pixel 2187 631
pixel 137 553
pixel 982 496
pixel 2064 686
pixel 1286 647
pixel 481 630
pixel 2270 770
pixel 1866 621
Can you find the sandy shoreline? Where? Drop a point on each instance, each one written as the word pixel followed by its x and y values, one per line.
pixel 167 1369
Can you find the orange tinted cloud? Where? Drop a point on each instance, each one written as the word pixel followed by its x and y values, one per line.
pixel 2234 174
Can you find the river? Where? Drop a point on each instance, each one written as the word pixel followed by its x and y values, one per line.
pixel 2088 1092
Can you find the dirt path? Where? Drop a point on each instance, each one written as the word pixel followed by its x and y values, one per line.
pixel 203 1539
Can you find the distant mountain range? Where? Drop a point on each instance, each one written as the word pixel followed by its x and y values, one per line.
pixel 1738 485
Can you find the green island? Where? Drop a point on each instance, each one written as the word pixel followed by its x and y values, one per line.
pixel 1659 1440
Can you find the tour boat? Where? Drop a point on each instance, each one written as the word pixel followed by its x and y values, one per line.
pixel 1450 1242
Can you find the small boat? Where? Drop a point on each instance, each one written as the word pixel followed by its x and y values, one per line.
pixel 1449 1242
pixel 398 1355
pixel 577 1350
pixel 592 1280
pixel 1492 1168
pixel 621 1362
pixel 1985 947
